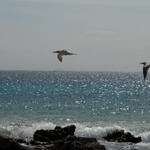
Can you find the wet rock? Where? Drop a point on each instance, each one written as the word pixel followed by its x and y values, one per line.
pixel 69 130
pixel 86 140
pixel 77 145
pixel 44 135
pixel 52 135
pixel 73 145
pixel 128 137
pixel 114 135
pixel 64 139
pixel 95 146
pixel 57 139
pixel 81 143
pixel 7 143
pixel 21 141
pixel 32 142
pixel 121 136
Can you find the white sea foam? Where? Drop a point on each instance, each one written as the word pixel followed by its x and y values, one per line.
pixel 145 137
pixel 26 130
pixel 96 131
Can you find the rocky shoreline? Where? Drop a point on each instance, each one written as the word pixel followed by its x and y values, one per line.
pixel 64 139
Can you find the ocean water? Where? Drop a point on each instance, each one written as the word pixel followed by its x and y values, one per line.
pixel 96 102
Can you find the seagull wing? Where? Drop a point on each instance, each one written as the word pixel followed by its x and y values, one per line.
pixel 60 58
pixel 145 71
pixel 71 54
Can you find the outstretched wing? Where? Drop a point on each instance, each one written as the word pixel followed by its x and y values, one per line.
pixel 60 58
pixel 145 71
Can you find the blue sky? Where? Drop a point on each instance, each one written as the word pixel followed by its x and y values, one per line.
pixel 107 35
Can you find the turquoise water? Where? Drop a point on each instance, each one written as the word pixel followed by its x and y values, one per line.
pixel 95 101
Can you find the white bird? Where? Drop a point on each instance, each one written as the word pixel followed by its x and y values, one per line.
pixel 62 52
pixel 146 66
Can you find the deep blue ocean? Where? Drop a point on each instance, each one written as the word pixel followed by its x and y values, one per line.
pixel 96 102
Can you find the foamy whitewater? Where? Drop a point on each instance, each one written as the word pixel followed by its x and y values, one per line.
pixel 96 102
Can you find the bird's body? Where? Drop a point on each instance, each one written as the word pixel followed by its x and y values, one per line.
pixel 146 66
pixel 61 53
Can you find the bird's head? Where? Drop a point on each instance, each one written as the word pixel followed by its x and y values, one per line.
pixel 143 63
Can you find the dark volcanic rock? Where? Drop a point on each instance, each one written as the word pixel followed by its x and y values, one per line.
pixel 52 135
pixel 86 140
pixel 121 136
pixel 57 139
pixel 73 145
pixel 64 139
pixel 113 136
pixel 7 143
pixel 69 130
pixel 95 146
pixel 32 142
pixel 44 135
pixel 77 145
pixel 128 137
pixel 81 143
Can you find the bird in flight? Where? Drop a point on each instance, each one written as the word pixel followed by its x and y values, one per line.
pixel 146 66
pixel 61 53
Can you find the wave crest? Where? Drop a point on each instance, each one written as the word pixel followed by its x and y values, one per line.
pixel 26 130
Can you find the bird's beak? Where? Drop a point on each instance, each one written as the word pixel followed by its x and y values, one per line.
pixel 54 51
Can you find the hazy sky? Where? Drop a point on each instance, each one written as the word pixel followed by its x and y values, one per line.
pixel 107 35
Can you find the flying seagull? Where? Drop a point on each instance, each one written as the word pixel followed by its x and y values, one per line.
pixel 62 52
pixel 146 66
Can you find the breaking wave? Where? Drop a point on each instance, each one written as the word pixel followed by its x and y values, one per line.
pixel 26 130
